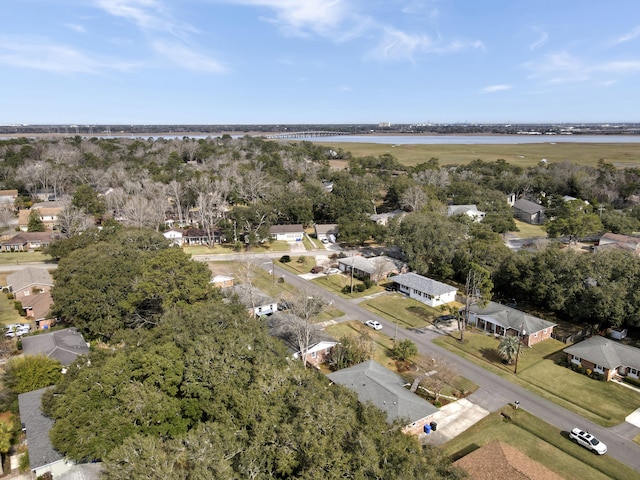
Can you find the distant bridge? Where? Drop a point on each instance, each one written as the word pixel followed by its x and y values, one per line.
pixel 307 134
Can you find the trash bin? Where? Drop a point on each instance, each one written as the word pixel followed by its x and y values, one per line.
pixel 427 429
pixel 434 426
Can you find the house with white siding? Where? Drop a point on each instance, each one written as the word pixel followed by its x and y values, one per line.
pixel 425 290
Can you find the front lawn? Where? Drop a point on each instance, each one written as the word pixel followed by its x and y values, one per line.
pixel 409 313
pixel 605 403
pixel 527 230
pixel 335 283
pixel 541 442
pixel 18 258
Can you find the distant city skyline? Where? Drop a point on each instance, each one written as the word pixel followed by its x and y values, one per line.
pixel 319 61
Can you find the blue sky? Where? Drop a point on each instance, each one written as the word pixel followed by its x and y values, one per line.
pixel 319 61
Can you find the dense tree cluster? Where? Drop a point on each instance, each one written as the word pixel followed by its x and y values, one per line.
pixel 110 279
pixel 208 393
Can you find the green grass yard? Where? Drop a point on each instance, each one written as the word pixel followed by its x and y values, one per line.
pixel 541 442
pixel 605 403
pixel 17 258
pixel 409 313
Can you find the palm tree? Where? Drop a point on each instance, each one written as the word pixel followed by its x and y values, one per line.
pixel 509 348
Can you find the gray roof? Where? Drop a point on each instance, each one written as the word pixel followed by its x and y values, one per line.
pixel 37 426
pixel 292 228
pixel 26 277
pixel 423 284
pixel 326 228
pixel 370 265
pixel 245 294
pixel 25 237
pixel 528 206
pixel 63 345
pixel 383 388
pixel 606 353
pixel 462 209
pixel 511 318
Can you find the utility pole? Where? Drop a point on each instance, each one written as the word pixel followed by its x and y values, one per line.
pixel 273 271
pixel 523 333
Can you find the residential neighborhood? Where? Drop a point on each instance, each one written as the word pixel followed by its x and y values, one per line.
pixel 232 295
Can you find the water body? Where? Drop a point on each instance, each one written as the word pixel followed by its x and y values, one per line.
pixel 475 139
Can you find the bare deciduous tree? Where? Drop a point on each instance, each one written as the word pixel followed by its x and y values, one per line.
pixel 414 198
pixel 304 308
pixel 73 221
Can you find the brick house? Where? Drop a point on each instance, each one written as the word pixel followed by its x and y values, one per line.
pixel 605 356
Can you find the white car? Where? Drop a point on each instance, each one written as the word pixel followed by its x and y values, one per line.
pixel 333 271
pixel 17 330
pixel 587 440
pixel 373 324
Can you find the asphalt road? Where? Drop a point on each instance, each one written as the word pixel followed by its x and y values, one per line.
pixel 494 392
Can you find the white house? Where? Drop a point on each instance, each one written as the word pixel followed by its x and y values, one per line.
pixel 288 233
pixel 470 211
pixel 425 290
pixel 174 236
pixel 317 353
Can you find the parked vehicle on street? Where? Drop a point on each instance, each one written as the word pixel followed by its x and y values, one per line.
pixel 373 324
pixel 587 440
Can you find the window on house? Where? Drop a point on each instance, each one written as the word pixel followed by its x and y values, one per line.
pixel 313 354
pixel 544 331
pixel 575 359
pixel 535 335
pixel 26 293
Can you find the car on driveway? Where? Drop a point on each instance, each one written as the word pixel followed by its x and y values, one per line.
pixel 373 324
pixel 333 271
pixel 584 438
pixel 17 330
pixel 317 269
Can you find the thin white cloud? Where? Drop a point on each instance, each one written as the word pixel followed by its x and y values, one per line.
pixel 42 54
pixel 399 45
pixel 558 67
pixel 344 88
pixel 562 67
pixel 299 17
pixel 635 33
pixel 187 58
pixel 75 27
pixel 496 88
pixel 619 67
pixel 540 41
pixel 154 19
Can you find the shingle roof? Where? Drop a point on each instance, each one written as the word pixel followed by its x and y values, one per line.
pixel 37 426
pixel 294 228
pixel 29 276
pixel 462 209
pixel 24 237
pixel 372 265
pixel 511 318
pixel 326 228
pixel 40 304
pixel 528 206
pixel 423 284
pixel 383 388
pixel 499 461
pixel 606 353
pixel 63 345
pixel 246 293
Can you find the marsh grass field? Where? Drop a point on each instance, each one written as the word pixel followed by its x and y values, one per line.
pixel 621 155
